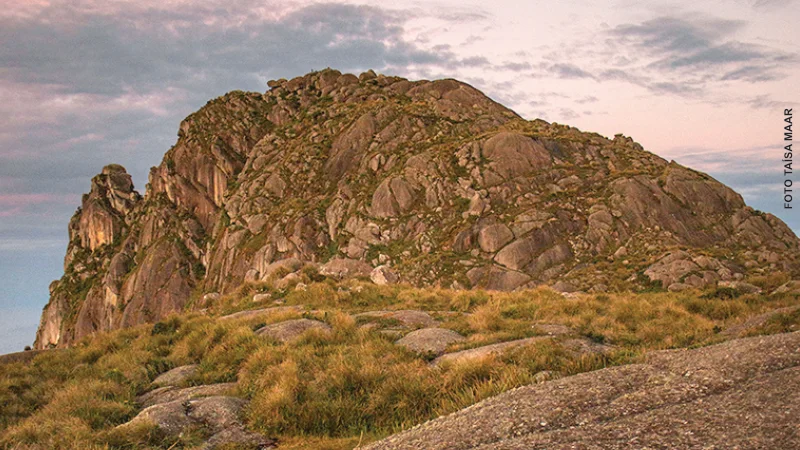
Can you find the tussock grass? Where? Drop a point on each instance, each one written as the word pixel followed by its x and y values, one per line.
pixel 334 390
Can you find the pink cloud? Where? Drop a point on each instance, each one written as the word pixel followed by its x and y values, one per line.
pixel 21 200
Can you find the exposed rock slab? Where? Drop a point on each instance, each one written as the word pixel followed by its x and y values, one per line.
pixel 429 341
pixel 217 415
pixel 292 329
pixel 168 394
pixel 740 394
pixel 755 322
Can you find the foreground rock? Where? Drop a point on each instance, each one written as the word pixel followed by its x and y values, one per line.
pixel 218 416
pixel 429 341
pixel 292 329
pixel 168 394
pixel 740 394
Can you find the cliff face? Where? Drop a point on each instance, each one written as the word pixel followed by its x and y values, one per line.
pixel 432 181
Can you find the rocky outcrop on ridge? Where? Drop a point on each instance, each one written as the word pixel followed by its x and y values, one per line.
pixel 431 182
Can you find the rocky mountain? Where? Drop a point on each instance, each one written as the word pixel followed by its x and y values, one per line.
pixel 424 182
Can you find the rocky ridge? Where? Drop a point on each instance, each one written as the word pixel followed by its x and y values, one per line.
pixel 424 182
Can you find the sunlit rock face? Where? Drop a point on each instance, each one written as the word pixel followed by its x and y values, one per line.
pixel 430 180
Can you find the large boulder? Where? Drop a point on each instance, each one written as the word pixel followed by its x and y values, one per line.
pixel 496 278
pixel 493 237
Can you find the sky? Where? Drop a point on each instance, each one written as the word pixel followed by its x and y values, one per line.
pixel 85 83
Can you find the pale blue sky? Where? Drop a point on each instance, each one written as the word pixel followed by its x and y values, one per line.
pixel 84 83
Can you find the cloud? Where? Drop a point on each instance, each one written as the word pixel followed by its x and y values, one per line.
pixel 700 47
pixel 765 102
pixel 564 70
pixel 84 83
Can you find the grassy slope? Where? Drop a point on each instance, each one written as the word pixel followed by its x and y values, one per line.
pixel 333 391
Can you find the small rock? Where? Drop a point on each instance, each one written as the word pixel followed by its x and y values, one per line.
pixel 563 286
pixel 258 298
pixel 429 341
pixel 342 268
pixel 383 275
pixel 552 329
pixel 678 287
pixel 284 282
pixel 211 297
pixel 741 286
pixel 176 376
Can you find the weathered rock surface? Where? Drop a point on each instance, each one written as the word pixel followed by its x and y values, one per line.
pixel 740 394
pixel 176 376
pixel 431 178
pixel 168 394
pixel 218 416
pixel 383 275
pixel 429 341
pixel 790 287
pixel 755 322
pixel 292 329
